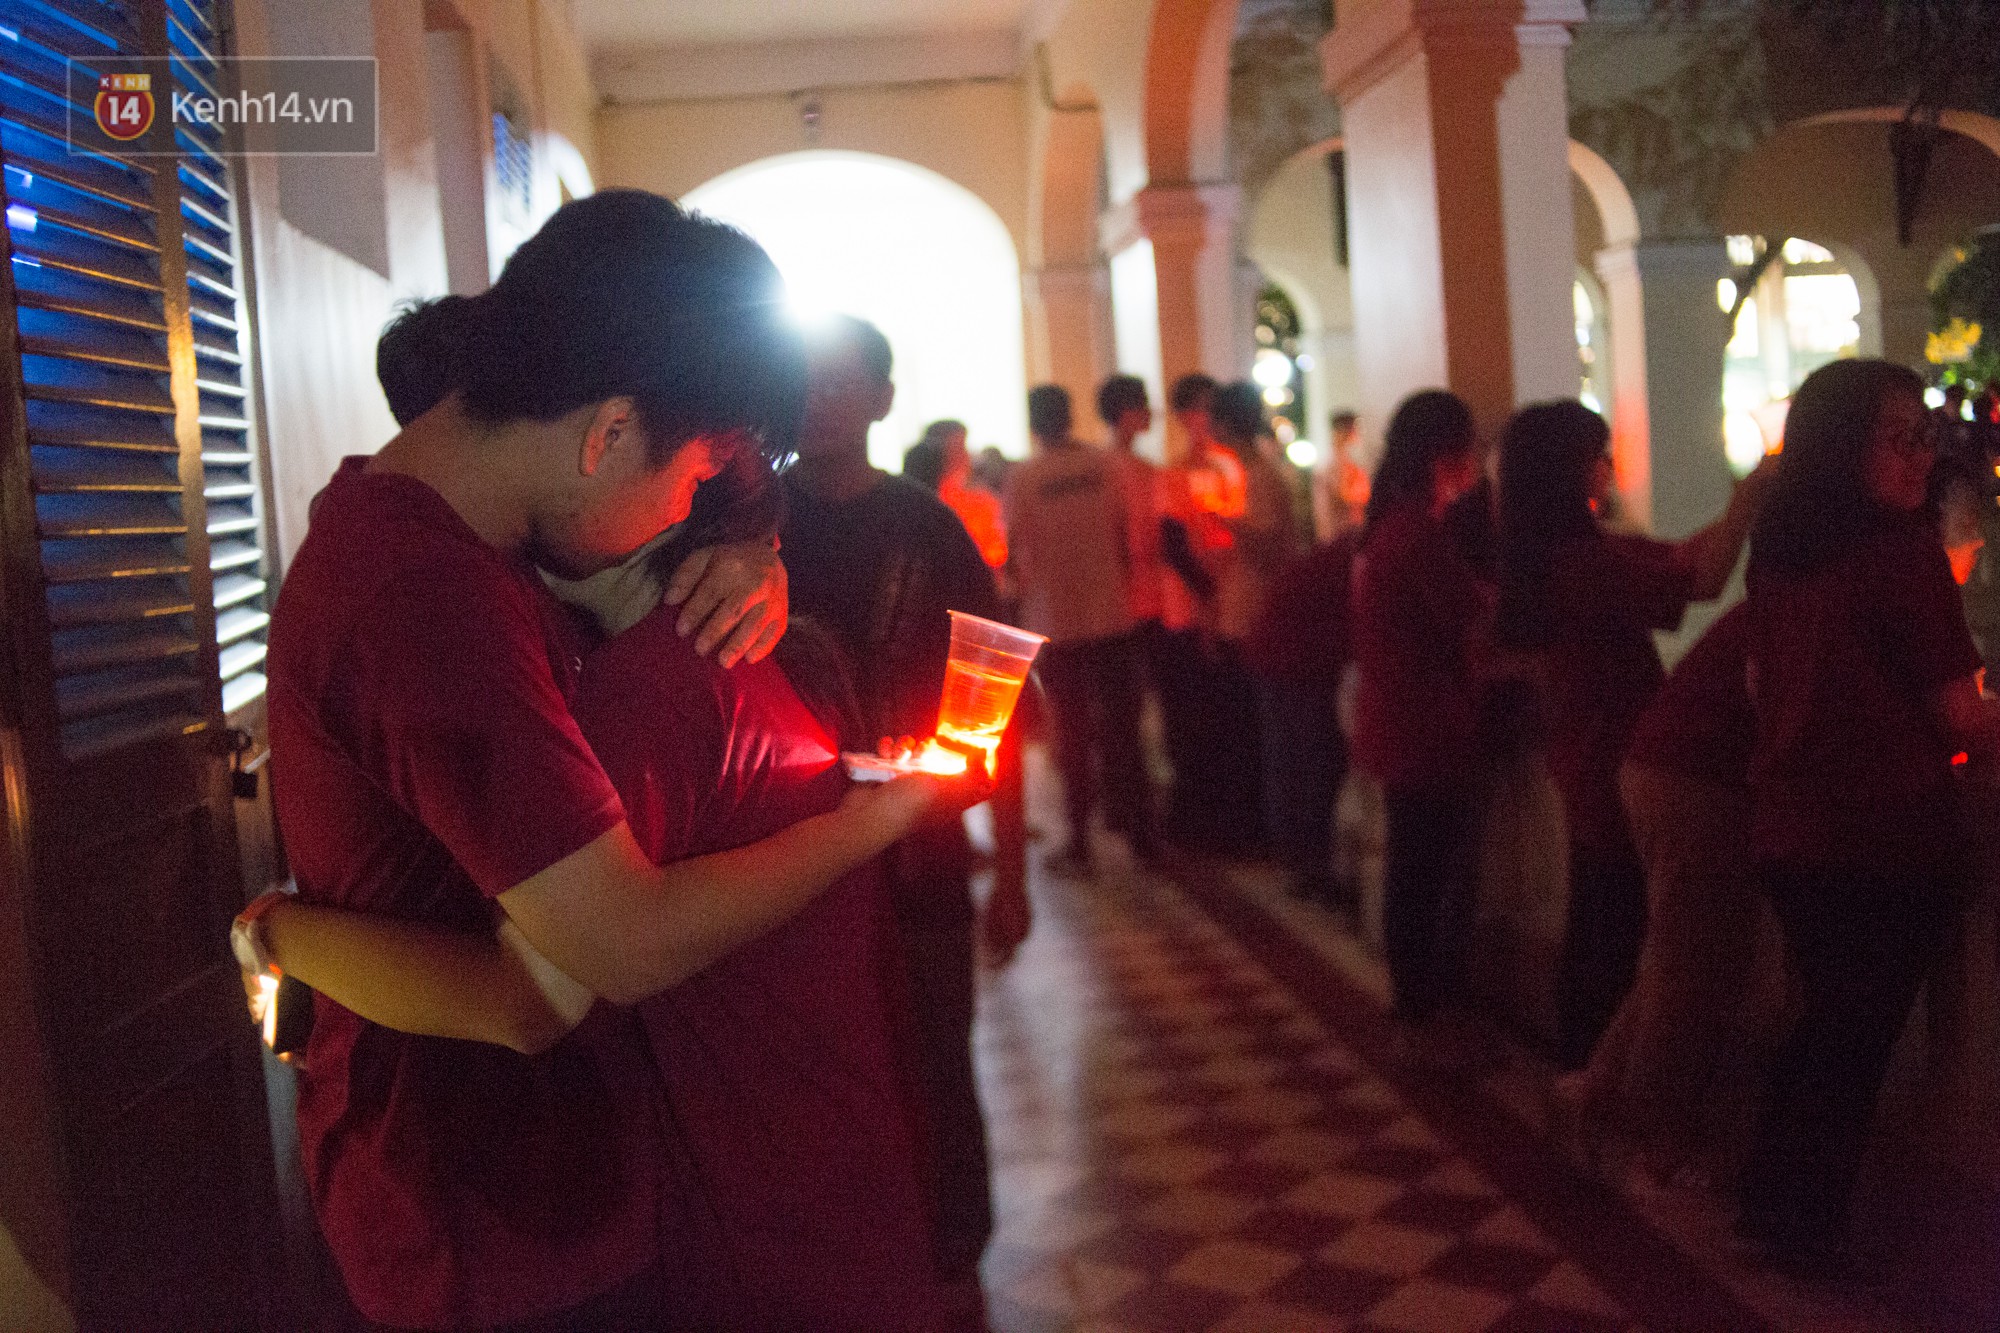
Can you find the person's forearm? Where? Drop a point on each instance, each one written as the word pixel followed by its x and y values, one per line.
pixel 415 978
pixel 627 929
pixel 1711 554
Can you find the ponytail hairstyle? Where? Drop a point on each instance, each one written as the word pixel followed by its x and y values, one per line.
pixel 620 293
pixel 415 356
pixel 1428 427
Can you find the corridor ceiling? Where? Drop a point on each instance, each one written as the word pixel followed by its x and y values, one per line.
pixel 608 24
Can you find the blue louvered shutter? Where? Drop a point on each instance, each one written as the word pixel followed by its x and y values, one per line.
pixel 146 495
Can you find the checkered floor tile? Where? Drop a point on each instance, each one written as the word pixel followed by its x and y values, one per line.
pixel 1183 1142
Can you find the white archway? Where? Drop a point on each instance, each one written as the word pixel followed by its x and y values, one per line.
pixel 923 258
pixel 1617 273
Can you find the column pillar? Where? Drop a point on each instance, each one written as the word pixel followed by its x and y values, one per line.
pixel 1069 322
pixel 1631 434
pixel 1685 333
pixel 1186 236
pixel 1454 122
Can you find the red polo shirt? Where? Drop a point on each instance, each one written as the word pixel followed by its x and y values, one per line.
pixel 1851 767
pixel 426 761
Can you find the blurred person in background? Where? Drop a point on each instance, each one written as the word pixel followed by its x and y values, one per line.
pixel 1586 602
pixel 1066 507
pixel 1420 617
pixel 879 561
pixel 1339 482
pixel 1866 684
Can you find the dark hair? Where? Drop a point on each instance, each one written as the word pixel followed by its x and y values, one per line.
pixel 1237 414
pixel 1118 395
pixel 415 355
pixel 619 293
pixel 741 503
pixel 943 429
pixel 923 463
pixel 857 333
pixel 1049 414
pixel 1430 425
pixel 1191 391
pixel 1820 503
pixel 1344 420
pixel 1546 458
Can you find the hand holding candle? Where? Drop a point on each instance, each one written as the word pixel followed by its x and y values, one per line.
pixel 982 682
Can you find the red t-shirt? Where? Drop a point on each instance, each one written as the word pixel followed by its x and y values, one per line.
pixel 1607 595
pixel 1701 723
pixel 1416 606
pixel 795 1161
pixel 1851 768
pixel 1305 633
pixel 425 761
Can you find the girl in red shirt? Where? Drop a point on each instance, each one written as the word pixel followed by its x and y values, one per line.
pixel 1866 685
pixel 1418 609
pixel 1587 602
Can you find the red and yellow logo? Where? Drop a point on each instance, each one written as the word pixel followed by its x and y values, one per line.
pixel 124 105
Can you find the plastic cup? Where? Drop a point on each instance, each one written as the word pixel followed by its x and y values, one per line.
pixel 982 681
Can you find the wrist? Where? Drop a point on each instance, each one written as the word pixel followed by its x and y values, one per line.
pixel 249 934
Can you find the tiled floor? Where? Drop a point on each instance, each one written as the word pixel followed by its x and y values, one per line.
pixel 1192 1130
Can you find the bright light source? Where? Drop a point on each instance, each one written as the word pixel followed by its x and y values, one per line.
pixel 1742 442
pixel 22 218
pixel 1933 396
pixel 1271 368
pixel 921 257
pixel 1725 294
pixel 1278 396
pixel 1303 452
pixel 1742 250
pixel 1798 251
pixel 1305 360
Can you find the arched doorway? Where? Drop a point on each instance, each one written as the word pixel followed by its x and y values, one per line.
pixel 920 256
pixel 1611 323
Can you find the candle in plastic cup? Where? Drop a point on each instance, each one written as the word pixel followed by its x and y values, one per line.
pixel 982 681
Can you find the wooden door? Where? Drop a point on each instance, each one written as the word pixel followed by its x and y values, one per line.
pixel 133 584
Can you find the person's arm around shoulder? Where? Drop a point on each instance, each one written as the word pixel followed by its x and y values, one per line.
pixel 603 921
pixel 734 599
pixel 1710 555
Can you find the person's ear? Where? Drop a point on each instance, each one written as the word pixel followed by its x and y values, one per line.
pixel 613 425
pixel 885 398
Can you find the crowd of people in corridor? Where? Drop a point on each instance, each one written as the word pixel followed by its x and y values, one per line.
pixel 635 1013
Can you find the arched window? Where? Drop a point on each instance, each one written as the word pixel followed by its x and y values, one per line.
pixel 1804 311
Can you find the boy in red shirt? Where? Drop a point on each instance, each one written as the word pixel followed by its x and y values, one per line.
pixel 431 771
